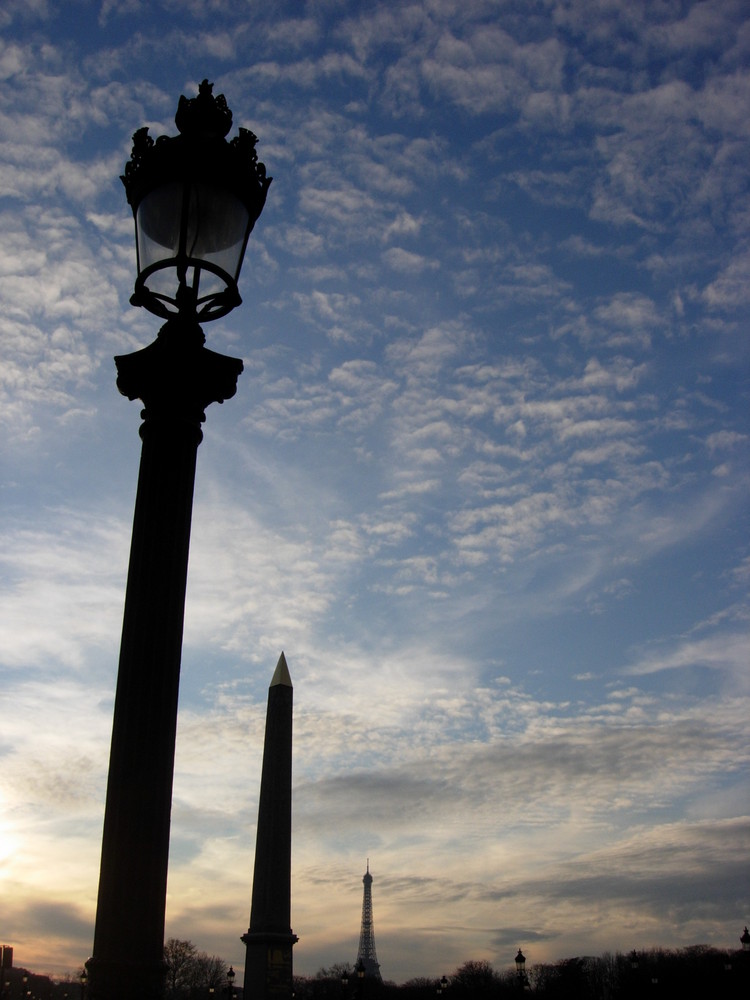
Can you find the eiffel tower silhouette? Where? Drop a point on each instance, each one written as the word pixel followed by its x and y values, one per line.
pixel 366 953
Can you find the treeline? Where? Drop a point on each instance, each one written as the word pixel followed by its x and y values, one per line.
pixel 658 973
pixel 192 974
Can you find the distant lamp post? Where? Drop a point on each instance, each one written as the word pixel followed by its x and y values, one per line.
pixel 359 968
pixel 84 984
pixel 345 982
pixel 442 986
pixel 520 961
pixel 745 940
pixel 230 982
pixel 195 199
pixel 633 959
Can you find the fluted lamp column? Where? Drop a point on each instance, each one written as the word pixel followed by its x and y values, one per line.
pixel 195 199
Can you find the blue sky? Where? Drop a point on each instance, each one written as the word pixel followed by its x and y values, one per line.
pixel 484 480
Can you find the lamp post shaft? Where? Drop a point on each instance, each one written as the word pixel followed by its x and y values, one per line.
pixel 176 377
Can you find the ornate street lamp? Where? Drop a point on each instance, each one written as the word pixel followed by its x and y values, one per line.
pixel 195 199
pixel 230 982
pixel 745 940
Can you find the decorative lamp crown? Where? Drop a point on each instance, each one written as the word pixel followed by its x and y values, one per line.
pixel 195 199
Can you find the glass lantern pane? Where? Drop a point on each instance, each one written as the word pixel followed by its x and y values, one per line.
pixel 159 224
pixel 209 284
pixel 216 226
pixel 190 233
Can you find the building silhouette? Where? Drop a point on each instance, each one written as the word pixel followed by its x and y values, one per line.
pixel 366 953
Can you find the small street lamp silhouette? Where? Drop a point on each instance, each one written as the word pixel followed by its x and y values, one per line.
pixel 359 968
pixel 521 968
pixel 230 980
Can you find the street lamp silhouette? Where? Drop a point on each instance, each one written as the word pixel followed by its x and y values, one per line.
pixel 195 199
pixel 520 961
pixel 230 982
pixel 359 968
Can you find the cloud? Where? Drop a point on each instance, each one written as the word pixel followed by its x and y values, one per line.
pixel 726 652
pixel 407 262
pixel 729 289
pixel 63 588
pixel 724 441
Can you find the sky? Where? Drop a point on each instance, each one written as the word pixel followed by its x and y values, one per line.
pixel 484 481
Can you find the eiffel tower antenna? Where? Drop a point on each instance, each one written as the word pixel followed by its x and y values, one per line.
pixel 366 953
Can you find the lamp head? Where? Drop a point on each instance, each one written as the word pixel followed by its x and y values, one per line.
pixel 195 198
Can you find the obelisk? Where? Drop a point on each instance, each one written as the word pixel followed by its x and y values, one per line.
pixel 269 940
